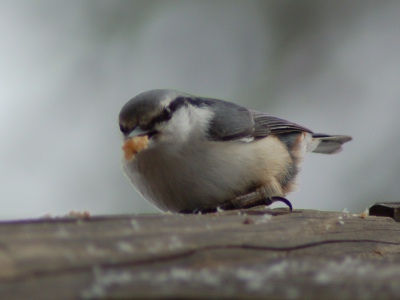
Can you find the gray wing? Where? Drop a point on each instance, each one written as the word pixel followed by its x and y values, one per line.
pixel 234 122
pixel 265 125
pixel 230 121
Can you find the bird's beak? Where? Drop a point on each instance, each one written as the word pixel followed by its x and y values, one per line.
pixel 135 142
pixel 137 132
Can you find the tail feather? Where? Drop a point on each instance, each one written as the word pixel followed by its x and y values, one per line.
pixel 329 144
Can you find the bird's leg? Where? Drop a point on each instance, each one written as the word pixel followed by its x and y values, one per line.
pixel 242 202
pixel 252 200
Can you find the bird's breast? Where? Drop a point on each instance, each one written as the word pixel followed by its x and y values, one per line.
pixel 205 174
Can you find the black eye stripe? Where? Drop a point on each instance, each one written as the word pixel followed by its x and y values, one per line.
pixel 123 129
pixel 177 103
pixel 167 112
pixel 165 115
pixel 197 102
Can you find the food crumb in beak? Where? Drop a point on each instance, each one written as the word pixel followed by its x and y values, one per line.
pixel 134 145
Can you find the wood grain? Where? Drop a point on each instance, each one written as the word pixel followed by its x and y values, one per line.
pixel 253 253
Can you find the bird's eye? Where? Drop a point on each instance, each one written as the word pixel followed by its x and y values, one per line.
pixel 167 114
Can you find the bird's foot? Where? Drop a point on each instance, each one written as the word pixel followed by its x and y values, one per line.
pixel 241 203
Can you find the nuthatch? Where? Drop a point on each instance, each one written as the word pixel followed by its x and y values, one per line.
pixel 201 154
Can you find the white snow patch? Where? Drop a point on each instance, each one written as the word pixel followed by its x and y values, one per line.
pixel 103 280
pixel 96 251
pixel 349 266
pixel 155 247
pixel 63 233
pixel 174 243
pixel 356 268
pixel 181 274
pixel 135 224
pixel 125 247
pixel 264 219
pixel 257 279
pixel 185 275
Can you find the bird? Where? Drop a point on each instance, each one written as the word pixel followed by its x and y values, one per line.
pixel 202 154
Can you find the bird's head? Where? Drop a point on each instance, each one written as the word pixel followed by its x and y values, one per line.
pixel 164 115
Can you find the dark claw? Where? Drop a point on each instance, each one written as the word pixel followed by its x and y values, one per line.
pixel 280 199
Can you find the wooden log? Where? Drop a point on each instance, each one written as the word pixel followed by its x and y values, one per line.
pixel 254 253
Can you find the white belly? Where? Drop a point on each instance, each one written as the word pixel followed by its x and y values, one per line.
pixel 208 174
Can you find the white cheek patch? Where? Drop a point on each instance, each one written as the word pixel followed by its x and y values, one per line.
pixel 187 122
pixel 179 124
pixel 200 118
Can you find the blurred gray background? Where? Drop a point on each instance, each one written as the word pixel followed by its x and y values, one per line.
pixel 67 67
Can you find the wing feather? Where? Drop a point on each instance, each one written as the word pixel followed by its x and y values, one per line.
pixel 234 122
pixel 265 125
